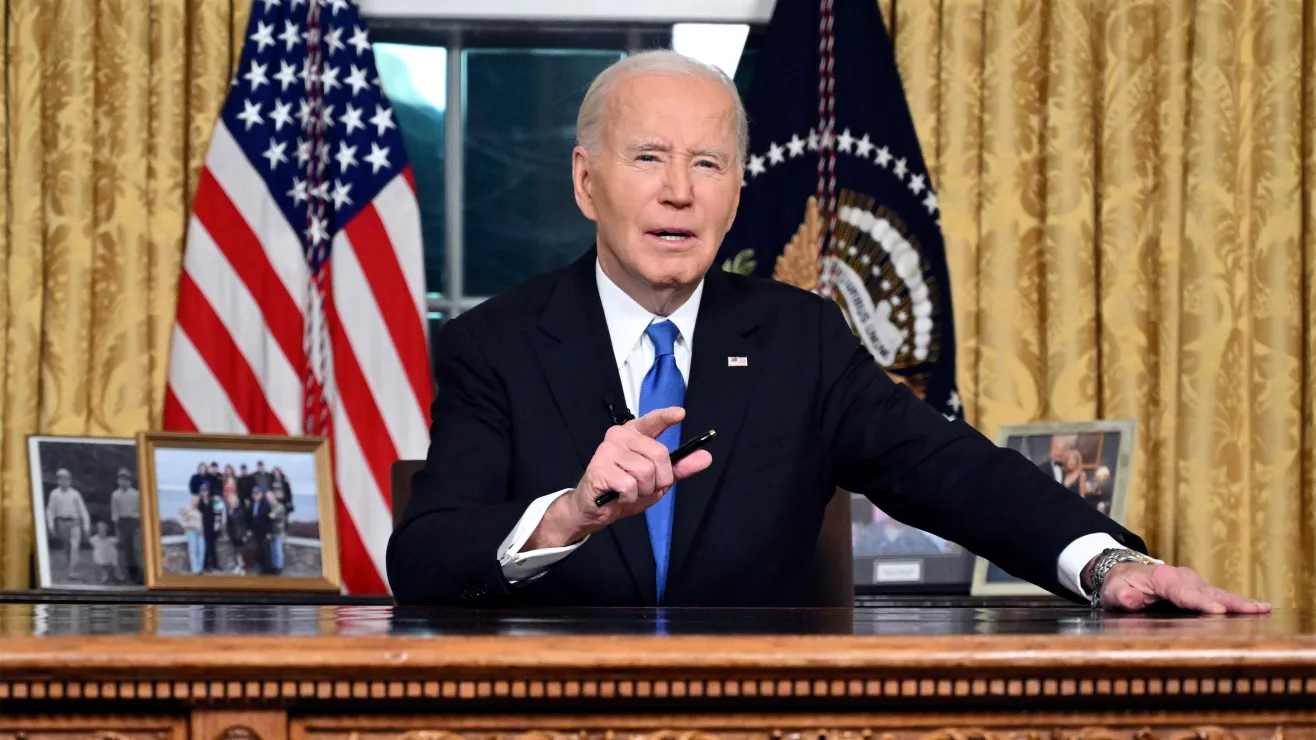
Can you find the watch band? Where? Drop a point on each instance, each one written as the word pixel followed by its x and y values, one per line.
pixel 1109 559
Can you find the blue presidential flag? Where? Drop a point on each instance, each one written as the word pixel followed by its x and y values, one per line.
pixel 837 197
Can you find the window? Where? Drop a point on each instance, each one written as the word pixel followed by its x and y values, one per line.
pixel 488 117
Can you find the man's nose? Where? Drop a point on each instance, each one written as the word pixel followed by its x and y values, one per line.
pixel 680 191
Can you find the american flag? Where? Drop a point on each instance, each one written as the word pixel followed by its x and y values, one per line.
pixel 302 300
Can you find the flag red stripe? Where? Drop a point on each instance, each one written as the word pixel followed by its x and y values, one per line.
pixel 233 235
pixel 358 403
pixel 360 575
pixel 379 264
pixel 410 177
pixel 213 342
pixel 176 418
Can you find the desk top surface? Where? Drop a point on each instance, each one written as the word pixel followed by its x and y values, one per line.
pixel 298 640
pixel 19 621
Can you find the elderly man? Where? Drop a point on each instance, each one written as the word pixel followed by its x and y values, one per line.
pixel 536 385
pixel 67 519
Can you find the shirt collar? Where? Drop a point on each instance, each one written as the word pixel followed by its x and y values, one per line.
pixel 627 319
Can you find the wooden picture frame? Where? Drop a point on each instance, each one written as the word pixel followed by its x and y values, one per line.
pixel 98 543
pixel 1108 471
pixel 237 546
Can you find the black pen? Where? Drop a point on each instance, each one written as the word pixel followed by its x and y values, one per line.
pixel 678 454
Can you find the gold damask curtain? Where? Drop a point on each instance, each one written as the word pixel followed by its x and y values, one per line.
pixel 108 109
pixel 1128 209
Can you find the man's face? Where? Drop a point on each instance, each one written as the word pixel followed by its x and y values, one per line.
pixel 664 184
pixel 1059 446
pixel 63 481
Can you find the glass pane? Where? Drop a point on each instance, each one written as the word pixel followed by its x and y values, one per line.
pixel 520 217
pixel 415 80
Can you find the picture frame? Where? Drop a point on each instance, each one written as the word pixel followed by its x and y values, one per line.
pixel 270 527
pixel 1103 452
pixel 86 513
pixel 891 557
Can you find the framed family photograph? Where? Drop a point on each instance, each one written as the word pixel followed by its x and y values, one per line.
pixel 1093 459
pixel 86 513
pixel 238 512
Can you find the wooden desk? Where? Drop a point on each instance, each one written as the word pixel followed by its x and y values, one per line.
pixel 305 672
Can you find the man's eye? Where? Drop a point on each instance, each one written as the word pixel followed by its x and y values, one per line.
pixel 708 164
pixel 646 158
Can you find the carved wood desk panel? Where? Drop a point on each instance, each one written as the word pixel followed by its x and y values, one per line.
pixel 304 672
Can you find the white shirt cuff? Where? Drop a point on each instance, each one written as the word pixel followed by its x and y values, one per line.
pixel 1075 557
pixel 526 566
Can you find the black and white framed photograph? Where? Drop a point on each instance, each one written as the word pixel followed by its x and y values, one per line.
pixel 892 556
pixel 86 513
pixel 1093 459
pixel 238 512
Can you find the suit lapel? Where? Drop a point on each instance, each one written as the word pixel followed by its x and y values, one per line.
pixel 717 396
pixel 578 363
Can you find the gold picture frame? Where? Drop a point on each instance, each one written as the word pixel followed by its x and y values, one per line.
pixel 1105 453
pixel 160 454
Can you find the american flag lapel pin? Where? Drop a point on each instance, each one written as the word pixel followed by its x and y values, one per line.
pixel 737 362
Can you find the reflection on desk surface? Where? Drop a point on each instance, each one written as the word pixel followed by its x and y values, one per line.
pixel 18 620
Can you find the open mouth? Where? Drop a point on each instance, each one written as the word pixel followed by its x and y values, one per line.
pixel 672 236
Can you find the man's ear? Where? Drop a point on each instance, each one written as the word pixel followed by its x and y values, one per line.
pixel 582 182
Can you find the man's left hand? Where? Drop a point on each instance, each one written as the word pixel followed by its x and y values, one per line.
pixel 1135 586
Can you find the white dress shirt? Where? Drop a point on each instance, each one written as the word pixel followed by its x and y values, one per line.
pixel 633 351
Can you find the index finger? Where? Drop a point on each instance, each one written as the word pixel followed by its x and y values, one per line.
pixel 657 421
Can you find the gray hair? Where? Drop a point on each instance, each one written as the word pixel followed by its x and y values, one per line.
pixel 589 121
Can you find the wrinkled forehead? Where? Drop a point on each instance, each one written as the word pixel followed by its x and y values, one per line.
pixel 684 109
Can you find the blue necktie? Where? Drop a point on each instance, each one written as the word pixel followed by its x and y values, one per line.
pixel 663 386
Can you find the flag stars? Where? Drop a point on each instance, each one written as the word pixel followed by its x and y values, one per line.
pixel 316 232
pixel 776 154
pixel 360 40
pixel 303 151
pixel 340 196
pixel 932 204
pixel 335 40
pixel 954 401
pixel 756 167
pixel 916 185
pixel 902 167
pixel 327 117
pixel 844 142
pixel 270 4
pixel 298 192
pixel 282 114
pixel 352 119
pixel 321 191
pixel 275 153
pixel 264 36
pixel 304 112
pixel 250 114
pixel 290 37
pixel 378 158
pixel 256 75
pixel 383 119
pixel 865 146
pixel 346 156
pixel 357 80
pixel 795 145
pixel 329 78
pixel 337 5
pixel 813 140
pixel 827 139
pixel 883 157
pixel 287 75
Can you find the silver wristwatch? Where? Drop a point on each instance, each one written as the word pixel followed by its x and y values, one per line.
pixel 1107 560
